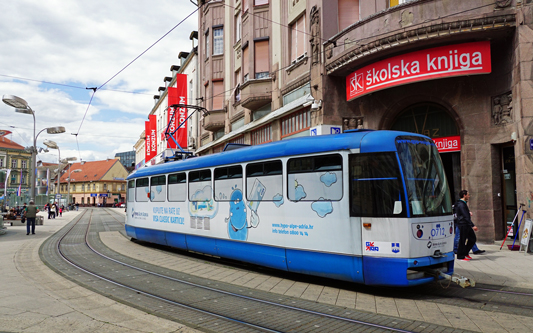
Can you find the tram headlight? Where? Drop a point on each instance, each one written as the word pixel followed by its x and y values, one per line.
pixel 451 230
pixel 419 233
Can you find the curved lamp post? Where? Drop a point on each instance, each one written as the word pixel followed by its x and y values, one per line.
pixel 21 106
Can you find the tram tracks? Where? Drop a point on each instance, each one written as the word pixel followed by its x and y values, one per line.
pixel 195 301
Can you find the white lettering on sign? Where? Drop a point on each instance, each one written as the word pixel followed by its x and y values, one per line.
pixel 447 144
pixel 445 61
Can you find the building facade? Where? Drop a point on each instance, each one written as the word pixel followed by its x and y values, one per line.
pixel 187 67
pixel 456 71
pixel 96 183
pixel 127 159
pixel 15 158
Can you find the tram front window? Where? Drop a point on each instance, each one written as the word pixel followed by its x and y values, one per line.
pixel 375 186
pixel 427 189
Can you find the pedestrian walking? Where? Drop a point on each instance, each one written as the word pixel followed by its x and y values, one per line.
pixel 50 211
pixel 31 214
pixel 467 235
pixel 77 206
pixel 57 208
pixel 475 248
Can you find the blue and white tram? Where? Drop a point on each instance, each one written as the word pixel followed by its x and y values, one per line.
pixel 365 206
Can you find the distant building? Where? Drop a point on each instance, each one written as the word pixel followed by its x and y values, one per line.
pixel 127 159
pixel 15 158
pixel 46 176
pixel 94 183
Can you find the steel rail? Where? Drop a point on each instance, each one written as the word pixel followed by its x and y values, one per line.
pixel 354 321
pixel 64 257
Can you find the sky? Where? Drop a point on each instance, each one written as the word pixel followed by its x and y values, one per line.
pixel 51 51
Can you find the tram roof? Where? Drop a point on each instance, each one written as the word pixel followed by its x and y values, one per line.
pixel 368 141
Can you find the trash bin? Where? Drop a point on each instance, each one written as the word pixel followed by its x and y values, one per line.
pixel 39 220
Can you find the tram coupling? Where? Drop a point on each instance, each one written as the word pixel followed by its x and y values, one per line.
pixel 459 280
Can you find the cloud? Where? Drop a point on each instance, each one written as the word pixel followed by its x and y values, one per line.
pixel 83 44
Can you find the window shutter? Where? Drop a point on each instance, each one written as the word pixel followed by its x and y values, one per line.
pixel 261 57
pixel 348 13
pixel 218 95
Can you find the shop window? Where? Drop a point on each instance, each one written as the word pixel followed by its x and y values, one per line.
pixel 262 135
pixel 348 13
pixel 295 123
pixel 238 140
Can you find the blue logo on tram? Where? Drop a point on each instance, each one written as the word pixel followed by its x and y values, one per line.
pixel 371 247
pixel 395 247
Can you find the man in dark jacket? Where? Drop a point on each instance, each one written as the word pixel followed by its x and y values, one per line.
pixel 467 235
pixel 31 214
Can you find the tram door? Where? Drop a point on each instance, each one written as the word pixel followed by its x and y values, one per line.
pixel 508 188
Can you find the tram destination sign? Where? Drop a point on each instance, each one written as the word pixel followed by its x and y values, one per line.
pixel 434 63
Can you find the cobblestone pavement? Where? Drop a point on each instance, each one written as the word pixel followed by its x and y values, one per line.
pixel 35 299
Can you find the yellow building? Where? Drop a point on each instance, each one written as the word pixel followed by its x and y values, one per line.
pixel 15 158
pixel 94 183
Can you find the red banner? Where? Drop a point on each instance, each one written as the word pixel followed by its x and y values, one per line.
pixel 150 144
pixel 448 144
pixel 178 95
pixel 438 62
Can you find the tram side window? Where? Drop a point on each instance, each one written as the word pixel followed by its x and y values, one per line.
pixel 177 187
pixel 315 178
pixel 200 189
pixel 264 182
pixel 228 183
pixel 376 186
pixel 131 191
pixel 158 188
pixel 142 189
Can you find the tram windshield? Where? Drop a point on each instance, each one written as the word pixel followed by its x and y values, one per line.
pixel 428 193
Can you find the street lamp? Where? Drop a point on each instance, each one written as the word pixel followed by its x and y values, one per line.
pixel 68 195
pixel 21 106
pixel 53 145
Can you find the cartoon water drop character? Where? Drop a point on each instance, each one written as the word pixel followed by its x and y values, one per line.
pixel 237 225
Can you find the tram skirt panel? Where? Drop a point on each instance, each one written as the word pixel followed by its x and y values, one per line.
pixel 334 266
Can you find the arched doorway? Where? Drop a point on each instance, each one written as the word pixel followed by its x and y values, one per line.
pixel 433 120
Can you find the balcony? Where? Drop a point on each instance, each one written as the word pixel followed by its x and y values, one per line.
pixel 214 121
pixel 256 93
